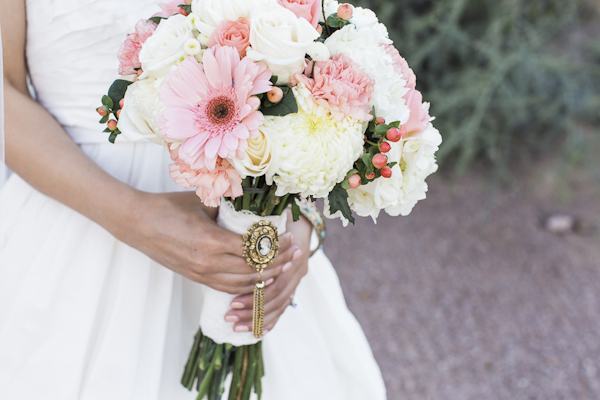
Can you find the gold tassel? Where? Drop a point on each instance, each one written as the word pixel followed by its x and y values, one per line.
pixel 258 315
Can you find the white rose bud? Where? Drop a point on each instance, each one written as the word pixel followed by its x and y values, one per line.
pixel 140 112
pixel 318 52
pixel 165 48
pixel 192 47
pixel 280 39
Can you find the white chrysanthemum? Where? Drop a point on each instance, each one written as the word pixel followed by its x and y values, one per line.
pixel 363 18
pixel 138 118
pixel 399 194
pixel 318 52
pixel 192 47
pixel 317 151
pixel 365 49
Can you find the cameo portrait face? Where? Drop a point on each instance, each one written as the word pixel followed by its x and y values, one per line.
pixel 264 246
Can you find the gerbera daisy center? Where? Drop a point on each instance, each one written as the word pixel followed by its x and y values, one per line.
pixel 221 110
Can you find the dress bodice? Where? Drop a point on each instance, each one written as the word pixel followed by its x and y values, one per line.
pixel 72 56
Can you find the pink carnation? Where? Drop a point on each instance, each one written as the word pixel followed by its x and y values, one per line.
pixel 401 66
pixel 232 33
pixel 210 186
pixel 419 117
pixel 339 85
pixel 129 51
pixel 310 10
pixel 213 107
pixel 170 9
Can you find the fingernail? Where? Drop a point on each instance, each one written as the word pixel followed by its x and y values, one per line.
pixel 241 328
pixel 267 283
pixel 297 254
pixel 237 305
pixel 287 266
pixel 231 318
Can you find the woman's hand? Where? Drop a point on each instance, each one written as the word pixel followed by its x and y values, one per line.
pixel 277 293
pixel 178 232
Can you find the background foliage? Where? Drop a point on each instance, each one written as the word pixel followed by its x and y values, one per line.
pixel 507 79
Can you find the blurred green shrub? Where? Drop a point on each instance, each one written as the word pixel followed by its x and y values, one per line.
pixel 507 79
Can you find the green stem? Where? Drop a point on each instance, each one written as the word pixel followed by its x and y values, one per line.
pixel 207 379
pixel 282 204
pixel 271 202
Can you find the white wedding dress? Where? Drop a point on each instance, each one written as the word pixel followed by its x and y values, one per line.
pixel 84 316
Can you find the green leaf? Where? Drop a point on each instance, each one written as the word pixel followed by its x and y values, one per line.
pixel 345 184
pixel 156 20
pixel 296 213
pixel 338 201
pixel 117 92
pixel 274 79
pixel 382 129
pixel 107 101
pixel 104 119
pixel 392 165
pixel 187 8
pixel 113 136
pixel 336 22
pixel 287 105
pixel 367 159
pixel 351 172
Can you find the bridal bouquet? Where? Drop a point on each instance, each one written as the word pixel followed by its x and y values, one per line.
pixel 263 103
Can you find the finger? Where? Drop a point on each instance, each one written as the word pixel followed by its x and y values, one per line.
pixel 271 292
pixel 244 316
pixel 284 257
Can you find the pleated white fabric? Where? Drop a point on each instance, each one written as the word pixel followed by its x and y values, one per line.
pixel 84 316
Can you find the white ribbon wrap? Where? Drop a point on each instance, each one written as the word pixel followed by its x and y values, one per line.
pixel 216 304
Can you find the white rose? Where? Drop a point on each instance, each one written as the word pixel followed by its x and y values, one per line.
pixel 280 39
pixel 212 12
pixel 262 156
pixel 138 117
pixel 166 47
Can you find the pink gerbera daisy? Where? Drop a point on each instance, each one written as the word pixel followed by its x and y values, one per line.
pixel 213 107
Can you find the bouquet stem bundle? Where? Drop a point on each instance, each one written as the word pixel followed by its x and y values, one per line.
pixel 209 364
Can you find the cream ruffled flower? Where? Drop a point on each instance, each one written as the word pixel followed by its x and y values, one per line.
pixel 317 150
pixel 400 193
pixel 141 109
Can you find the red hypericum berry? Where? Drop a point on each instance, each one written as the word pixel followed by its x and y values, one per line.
pixel 118 114
pixel 183 12
pixel 354 181
pixel 370 176
pixel 380 120
pixel 102 112
pixel 275 95
pixel 393 135
pixel 122 103
pixel 320 29
pixel 386 172
pixel 112 124
pixel 345 11
pixel 379 160
pixel 384 147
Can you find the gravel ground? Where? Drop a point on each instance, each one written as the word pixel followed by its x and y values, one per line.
pixel 470 298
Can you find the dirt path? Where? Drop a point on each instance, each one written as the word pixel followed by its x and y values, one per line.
pixel 469 298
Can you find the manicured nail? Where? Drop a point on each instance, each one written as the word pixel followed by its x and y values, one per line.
pixel 269 281
pixel 241 328
pixel 237 305
pixel 297 254
pixel 231 318
pixel 287 266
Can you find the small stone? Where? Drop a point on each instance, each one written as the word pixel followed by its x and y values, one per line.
pixel 560 223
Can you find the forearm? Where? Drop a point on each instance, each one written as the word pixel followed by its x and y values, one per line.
pixel 40 151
